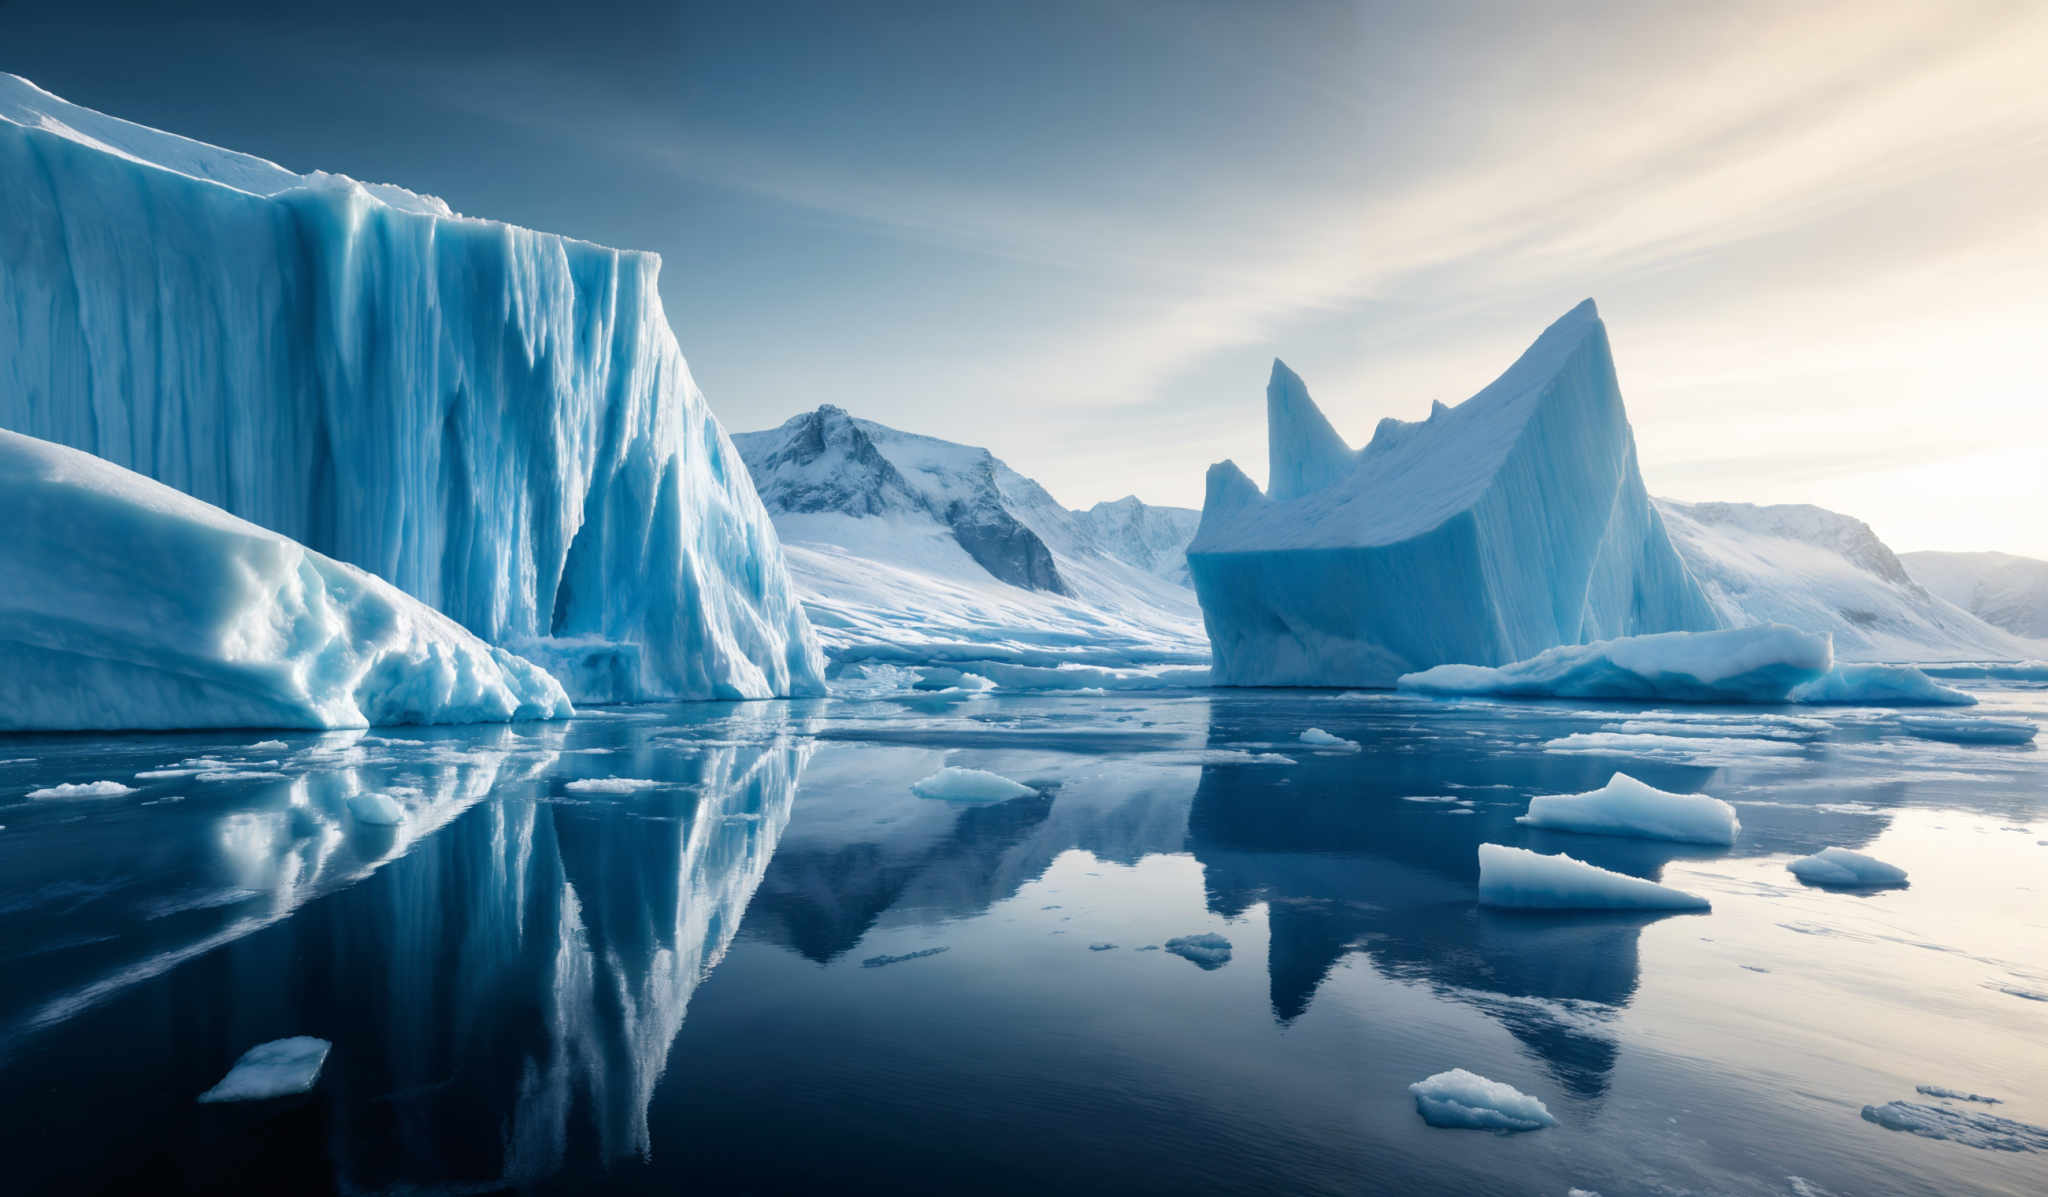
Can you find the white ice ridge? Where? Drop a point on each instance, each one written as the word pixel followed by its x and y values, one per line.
pixel 1625 806
pixel 276 1069
pixel 125 604
pixel 1462 1100
pixel 1759 664
pixel 956 784
pixel 1517 878
pixel 1512 523
pixel 1841 868
pixel 498 421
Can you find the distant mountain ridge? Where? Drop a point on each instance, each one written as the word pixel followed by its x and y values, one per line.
pixel 1823 571
pixel 2000 588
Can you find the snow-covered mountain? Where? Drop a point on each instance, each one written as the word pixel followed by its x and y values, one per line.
pixel 496 420
pixel 911 550
pixel 2001 589
pixel 1821 571
pixel 1509 524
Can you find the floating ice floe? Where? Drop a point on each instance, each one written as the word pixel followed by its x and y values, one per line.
pixel 1516 878
pixel 955 784
pixel 1627 807
pixel 612 785
pixel 1462 1100
pixel 1759 664
pixel 884 961
pixel 276 1069
pixel 1207 950
pixel 1316 737
pixel 83 789
pixel 1879 686
pixel 1956 1095
pixel 1971 1128
pixel 1840 868
pixel 1969 729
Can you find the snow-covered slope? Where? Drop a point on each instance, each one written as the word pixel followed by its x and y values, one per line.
pixel 498 421
pixel 1154 539
pixel 1824 572
pixel 125 604
pixel 1485 534
pixel 916 551
pixel 1999 588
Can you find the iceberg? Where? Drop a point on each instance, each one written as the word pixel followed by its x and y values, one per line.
pixel 1516 878
pixel 1758 664
pixel 1510 524
pixel 1842 869
pixel 1625 806
pixel 1964 729
pixel 497 421
pixel 279 1068
pixel 125 604
pixel 955 784
pixel 1461 1100
pixel 1880 686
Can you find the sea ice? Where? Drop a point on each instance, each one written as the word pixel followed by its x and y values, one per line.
pixel 1971 1128
pixel 956 784
pixel 1625 806
pixel 1957 1095
pixel 83 789
pixel 1517 878
pixel 1964 729
pixel 885 960
pixel 126 604
pixel 1879 686
pixel 275 1069
pixel 1316 737
pixel 1843 869
pixel 612 785
pixel 1757 664
pixel 1512 523
pixel 1462 1100
pixel 1208 950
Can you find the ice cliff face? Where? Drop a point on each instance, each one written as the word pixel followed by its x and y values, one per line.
pixel 1825 572
pixel 911 550
pixel 496 420
pixel 1509 524
pixel 126 604
pixel 1999 588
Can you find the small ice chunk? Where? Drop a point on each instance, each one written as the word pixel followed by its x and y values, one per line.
pixel 1841 868
pixel 611 785
pixel 275 1069
pixel 955 784
pixel 83 789
pixel 1462 1100
pixel 1879 686
pixel 1517 878
pixel 1966 729
pixel 377 810
pixel 267 746
pixel 1316 737
pixel 1102 947
pixel 886 960
pixel 1625 806
pixel 1957 1095
pixel 1208 951
pixel 1971 1128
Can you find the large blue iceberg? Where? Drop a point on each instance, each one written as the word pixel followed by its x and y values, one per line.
pixel 125 604
pixel 1512 523
pixel 496 420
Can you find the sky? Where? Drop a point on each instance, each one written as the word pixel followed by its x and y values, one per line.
pixel 1078 233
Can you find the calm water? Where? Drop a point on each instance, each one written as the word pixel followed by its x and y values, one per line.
pixel 774 968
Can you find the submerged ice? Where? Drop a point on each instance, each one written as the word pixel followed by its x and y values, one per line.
pixel 1755 664
pixel 495 420
pixel 279 1068
pixel 1491 531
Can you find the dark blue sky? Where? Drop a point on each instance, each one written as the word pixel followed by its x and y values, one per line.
pixel 1078 232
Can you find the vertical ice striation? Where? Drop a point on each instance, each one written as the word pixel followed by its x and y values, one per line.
pixel 497 420
pixel 1485 534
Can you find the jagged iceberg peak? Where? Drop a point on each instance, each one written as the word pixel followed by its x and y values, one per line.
pixel 1511 523
pixel 1304 454
pixel 497 420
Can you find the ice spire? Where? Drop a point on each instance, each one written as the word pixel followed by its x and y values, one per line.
pixel 1303 453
